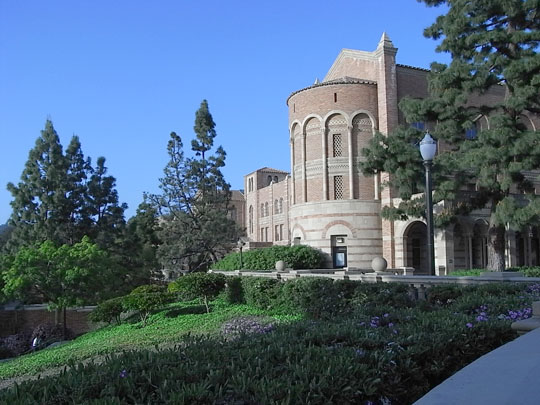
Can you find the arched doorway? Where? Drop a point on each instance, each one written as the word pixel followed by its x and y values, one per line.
pixel 479 245
pixel 461 248
pixel 416 252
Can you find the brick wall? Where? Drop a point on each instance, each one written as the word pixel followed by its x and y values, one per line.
pixel 30 316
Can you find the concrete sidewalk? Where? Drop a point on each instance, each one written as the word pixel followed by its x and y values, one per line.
pixel 507 375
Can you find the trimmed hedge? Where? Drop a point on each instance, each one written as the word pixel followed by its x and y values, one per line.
pixel 297 257
pixel 203 286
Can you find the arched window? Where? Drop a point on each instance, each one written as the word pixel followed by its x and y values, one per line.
pixel 276 207
pixel 281 205
pixel 262 210
pixel 251 219
pixel 269 180
pixel 266 209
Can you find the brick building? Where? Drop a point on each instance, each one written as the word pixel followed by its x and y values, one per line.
pixel 326 202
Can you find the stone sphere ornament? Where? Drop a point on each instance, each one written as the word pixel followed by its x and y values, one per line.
pixel 280 265
pixel 379 264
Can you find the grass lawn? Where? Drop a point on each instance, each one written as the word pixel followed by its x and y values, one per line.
pixel 165 327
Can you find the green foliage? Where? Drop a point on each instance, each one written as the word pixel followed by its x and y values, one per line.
pixel 195 228
pixel 233 291
pixel 261 292
pixel 61 198
pixel 444 294
pixel 145 303
pixel 317 297
pixel 297 257
pixel 149 289
pixel 494 56
pixel 204 286
pixel 108 311
pixel 62 276
pixel 467 273
pixel 331 362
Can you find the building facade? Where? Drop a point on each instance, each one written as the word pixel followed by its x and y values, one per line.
pixel 326 202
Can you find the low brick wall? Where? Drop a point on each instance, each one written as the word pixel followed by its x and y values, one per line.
pixel 29 316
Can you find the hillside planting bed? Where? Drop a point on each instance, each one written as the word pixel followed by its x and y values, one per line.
pixel 309 340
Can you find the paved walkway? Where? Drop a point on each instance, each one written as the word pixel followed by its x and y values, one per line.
pixel 508 375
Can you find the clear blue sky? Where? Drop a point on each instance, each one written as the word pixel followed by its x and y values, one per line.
pixel 123 74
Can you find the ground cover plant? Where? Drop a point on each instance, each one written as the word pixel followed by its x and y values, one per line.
pixel 532 271
pixel 380 347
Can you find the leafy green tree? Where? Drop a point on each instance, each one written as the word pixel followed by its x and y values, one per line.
pixel 494 45
pixel 204 286
pixel 194 202
pixel 61 276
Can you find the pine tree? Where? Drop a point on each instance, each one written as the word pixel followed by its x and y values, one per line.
pixel 194 201
pixel 493 44
pixel 40 206
pixel 103 207
pixel 61 198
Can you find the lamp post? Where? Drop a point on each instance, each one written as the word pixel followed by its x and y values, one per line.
pixel 240 243
pixel 428 147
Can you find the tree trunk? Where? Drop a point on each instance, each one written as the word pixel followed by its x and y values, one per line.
pixel 64 326
pixel 495 247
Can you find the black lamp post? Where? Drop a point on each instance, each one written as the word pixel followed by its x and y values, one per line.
pixel 428 148
pixel 240 245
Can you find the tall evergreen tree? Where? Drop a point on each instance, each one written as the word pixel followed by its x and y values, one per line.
pixel 194 201
pixel 40 206
pixel 61 198
pixel 103 207
pixel 493 43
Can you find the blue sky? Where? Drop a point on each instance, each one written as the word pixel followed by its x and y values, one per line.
pixel 123 74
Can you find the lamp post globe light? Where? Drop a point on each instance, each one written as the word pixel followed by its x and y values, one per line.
pixel 428 148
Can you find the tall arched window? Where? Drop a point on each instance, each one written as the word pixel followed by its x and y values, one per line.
pixel 281 205
pixel 251 219
pixel 266 209
pixel 276 207
pixel 262 210
pixel 269 180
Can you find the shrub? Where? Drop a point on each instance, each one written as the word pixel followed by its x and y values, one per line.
pixel 48 333
pixel 317 297
pixel 5 353
pixel 149 289
pixel 146 303
pixel 17 344
pixel 261 292
pixel 233 291
pixel 443 295
pixel 204 286
pixel 108 311
pixel 297 257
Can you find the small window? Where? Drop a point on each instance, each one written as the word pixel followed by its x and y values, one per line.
pixel 338 187
pixel 337 145
pixel 296 241
pixel 269 180
pixel 281 232
pixel 262 234
pixel 262 210
pixel 266 209
pixel 418 125
pixel 275 179
pixel 281 205
pixel 471 133
pixel 335 97
pixel 276 233
pixel 276 207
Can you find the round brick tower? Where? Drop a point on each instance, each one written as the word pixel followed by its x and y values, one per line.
pixel 333 206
